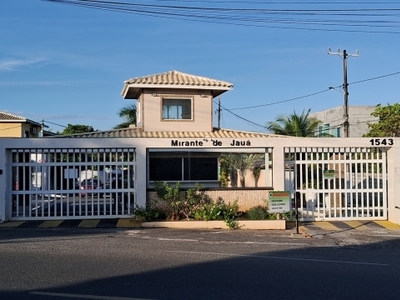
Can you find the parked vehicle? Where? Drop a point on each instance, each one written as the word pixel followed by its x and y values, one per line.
pixel 120 187
pixel 91 184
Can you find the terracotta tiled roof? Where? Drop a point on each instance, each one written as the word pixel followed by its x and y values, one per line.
pixel 173 79
pixel 7 118
pixel 139 133
pixel 10 117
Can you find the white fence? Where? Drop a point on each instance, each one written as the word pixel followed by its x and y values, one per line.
pixel 72 183
pixel 338 183
pixel 44 179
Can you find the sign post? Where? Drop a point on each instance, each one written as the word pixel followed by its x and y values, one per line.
pixel 297 202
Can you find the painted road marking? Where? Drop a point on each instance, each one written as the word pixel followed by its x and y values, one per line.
pixel 80 296
pixel 11 224
pixel 89 223
pixel 128 223
pixel 388 225
pixel 327 226
pixel 357 225
pixel 50 224
pixel 178 240
pixel 286 258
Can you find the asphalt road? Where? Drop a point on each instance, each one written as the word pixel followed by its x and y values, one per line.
pixel 98 263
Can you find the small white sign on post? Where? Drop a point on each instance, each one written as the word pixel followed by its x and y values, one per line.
pixel 70 173
pixel 279 201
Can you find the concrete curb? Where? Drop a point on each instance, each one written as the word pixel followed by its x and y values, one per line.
pixel 262 224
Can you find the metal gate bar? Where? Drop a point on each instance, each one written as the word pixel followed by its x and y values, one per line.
pixel 72 183
pixel 338 183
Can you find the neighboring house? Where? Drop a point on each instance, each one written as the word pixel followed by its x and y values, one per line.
pixel 333 120
pixel 16 126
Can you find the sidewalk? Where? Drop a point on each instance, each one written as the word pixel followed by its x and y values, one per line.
pixel 90 223
pixel 306 228
pixel 363 227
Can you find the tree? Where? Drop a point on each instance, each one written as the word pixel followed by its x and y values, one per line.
pixel 256 172
pixel 77 128
pixel 295 125
pixel 389 121
pixel 128 113
pixel 241 162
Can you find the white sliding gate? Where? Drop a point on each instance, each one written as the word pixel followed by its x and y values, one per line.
pixel 340 183
pixel 72 183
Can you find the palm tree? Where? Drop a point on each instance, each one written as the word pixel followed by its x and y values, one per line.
pixel 256 172
pixel 295 125
pixel 128 113
pixel 241 162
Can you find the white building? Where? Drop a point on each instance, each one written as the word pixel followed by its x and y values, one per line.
pixel 174 141
pixel 333 120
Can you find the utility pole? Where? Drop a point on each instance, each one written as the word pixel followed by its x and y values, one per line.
pixel 42 129
pixel 344 55
pixel 219 113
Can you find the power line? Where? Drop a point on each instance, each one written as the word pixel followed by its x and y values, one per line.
pixel 347 19
pixel 374 78
pixel 8 128
pixel 282 101
pixel 54 123
pixel 316 93
pixel 238 116
pixel 297 98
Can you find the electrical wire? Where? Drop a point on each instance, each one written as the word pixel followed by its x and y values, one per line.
pixel 282 101
pixel 316 93
pixel 9 128
pixel 46 121
pixel 374 78
pixel 347 19
pixel 242 118
pixel 297 98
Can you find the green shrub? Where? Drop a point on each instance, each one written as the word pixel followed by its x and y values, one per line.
pixel 289 216
pixel 194 203
pixel 182 204
pixel 258 213
pixel 261 213
pixel 171 195
pixel 208 210
pixel 149 214
pixel 230 213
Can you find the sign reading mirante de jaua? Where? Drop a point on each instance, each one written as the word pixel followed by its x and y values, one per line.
pixel 211 142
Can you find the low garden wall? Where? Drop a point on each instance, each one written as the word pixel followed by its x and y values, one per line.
pixel 246 197
pixel 255 225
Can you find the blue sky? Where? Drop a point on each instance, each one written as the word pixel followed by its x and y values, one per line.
pixel 67 64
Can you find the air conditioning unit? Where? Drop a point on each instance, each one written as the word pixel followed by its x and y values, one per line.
pixel 33 130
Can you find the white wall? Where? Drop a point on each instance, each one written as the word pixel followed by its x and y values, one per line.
pixel 141 144
pixel 151 110
pixel 393 166
pixel 359 116
pixel 3 186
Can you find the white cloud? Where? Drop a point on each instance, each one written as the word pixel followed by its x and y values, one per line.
pixel 12 64
pixel 39 83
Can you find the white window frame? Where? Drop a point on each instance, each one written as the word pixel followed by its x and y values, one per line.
pixel 179 111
